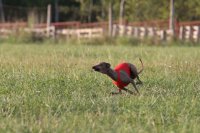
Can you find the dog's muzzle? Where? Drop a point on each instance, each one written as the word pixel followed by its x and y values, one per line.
pixel 95 68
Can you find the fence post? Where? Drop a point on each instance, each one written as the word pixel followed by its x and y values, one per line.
pixel 136 32
pixel 198 34
pixel 181 33
pixel 187 33
pixel 114 30
pixel 150 32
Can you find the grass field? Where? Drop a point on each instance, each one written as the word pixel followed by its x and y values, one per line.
pixel 51 88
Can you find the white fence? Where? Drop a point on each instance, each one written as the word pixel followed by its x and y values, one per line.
pixel 190 33
pixel 81 33
pixel 185 31
pixel 141 32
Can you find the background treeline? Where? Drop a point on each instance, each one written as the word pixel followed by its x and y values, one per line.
pixel 97 10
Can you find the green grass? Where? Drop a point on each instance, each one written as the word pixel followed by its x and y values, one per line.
pixel 51 88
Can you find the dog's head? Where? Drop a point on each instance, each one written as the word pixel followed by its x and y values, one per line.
pixel 102 67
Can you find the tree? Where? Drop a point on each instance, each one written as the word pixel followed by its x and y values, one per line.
pixel 110 12
pixel 2 18
pixel 171 20
pixel 97 10
pixel 121 13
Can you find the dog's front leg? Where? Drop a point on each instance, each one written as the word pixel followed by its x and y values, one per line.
pixel 115 93
pixel 134 85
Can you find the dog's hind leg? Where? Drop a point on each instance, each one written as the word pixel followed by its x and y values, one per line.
pixel 139 81
pixel 134 85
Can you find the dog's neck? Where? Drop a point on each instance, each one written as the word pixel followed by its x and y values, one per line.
pixel 112 74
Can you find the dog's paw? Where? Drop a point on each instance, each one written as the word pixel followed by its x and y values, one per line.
pixel 115 93
pixel 138 83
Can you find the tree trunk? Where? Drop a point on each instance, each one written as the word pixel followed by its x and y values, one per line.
pixel 110 19
pixel 2 17
pixel 121 13
pixel 171 20
pixel 56 11
pixel 48 19
pixel 90 11
pixel 102 12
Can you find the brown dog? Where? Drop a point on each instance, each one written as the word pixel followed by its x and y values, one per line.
pixel 122 75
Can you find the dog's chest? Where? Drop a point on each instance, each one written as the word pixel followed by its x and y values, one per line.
pixel 123 72
pixel 124 76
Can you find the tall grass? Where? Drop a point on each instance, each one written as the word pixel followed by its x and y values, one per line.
pixel 51 88
pixel 21 37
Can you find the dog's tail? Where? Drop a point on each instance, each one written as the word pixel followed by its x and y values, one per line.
pixel 142 67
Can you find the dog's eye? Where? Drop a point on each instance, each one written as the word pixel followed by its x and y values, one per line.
pixel 107 65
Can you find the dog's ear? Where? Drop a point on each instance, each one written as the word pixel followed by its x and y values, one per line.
pixel 107 65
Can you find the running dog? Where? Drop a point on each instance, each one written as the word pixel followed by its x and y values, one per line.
pixel 122 75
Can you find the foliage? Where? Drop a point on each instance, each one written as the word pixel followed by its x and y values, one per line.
pixel 135 10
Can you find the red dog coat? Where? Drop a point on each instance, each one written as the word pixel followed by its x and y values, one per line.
pixel 125 67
